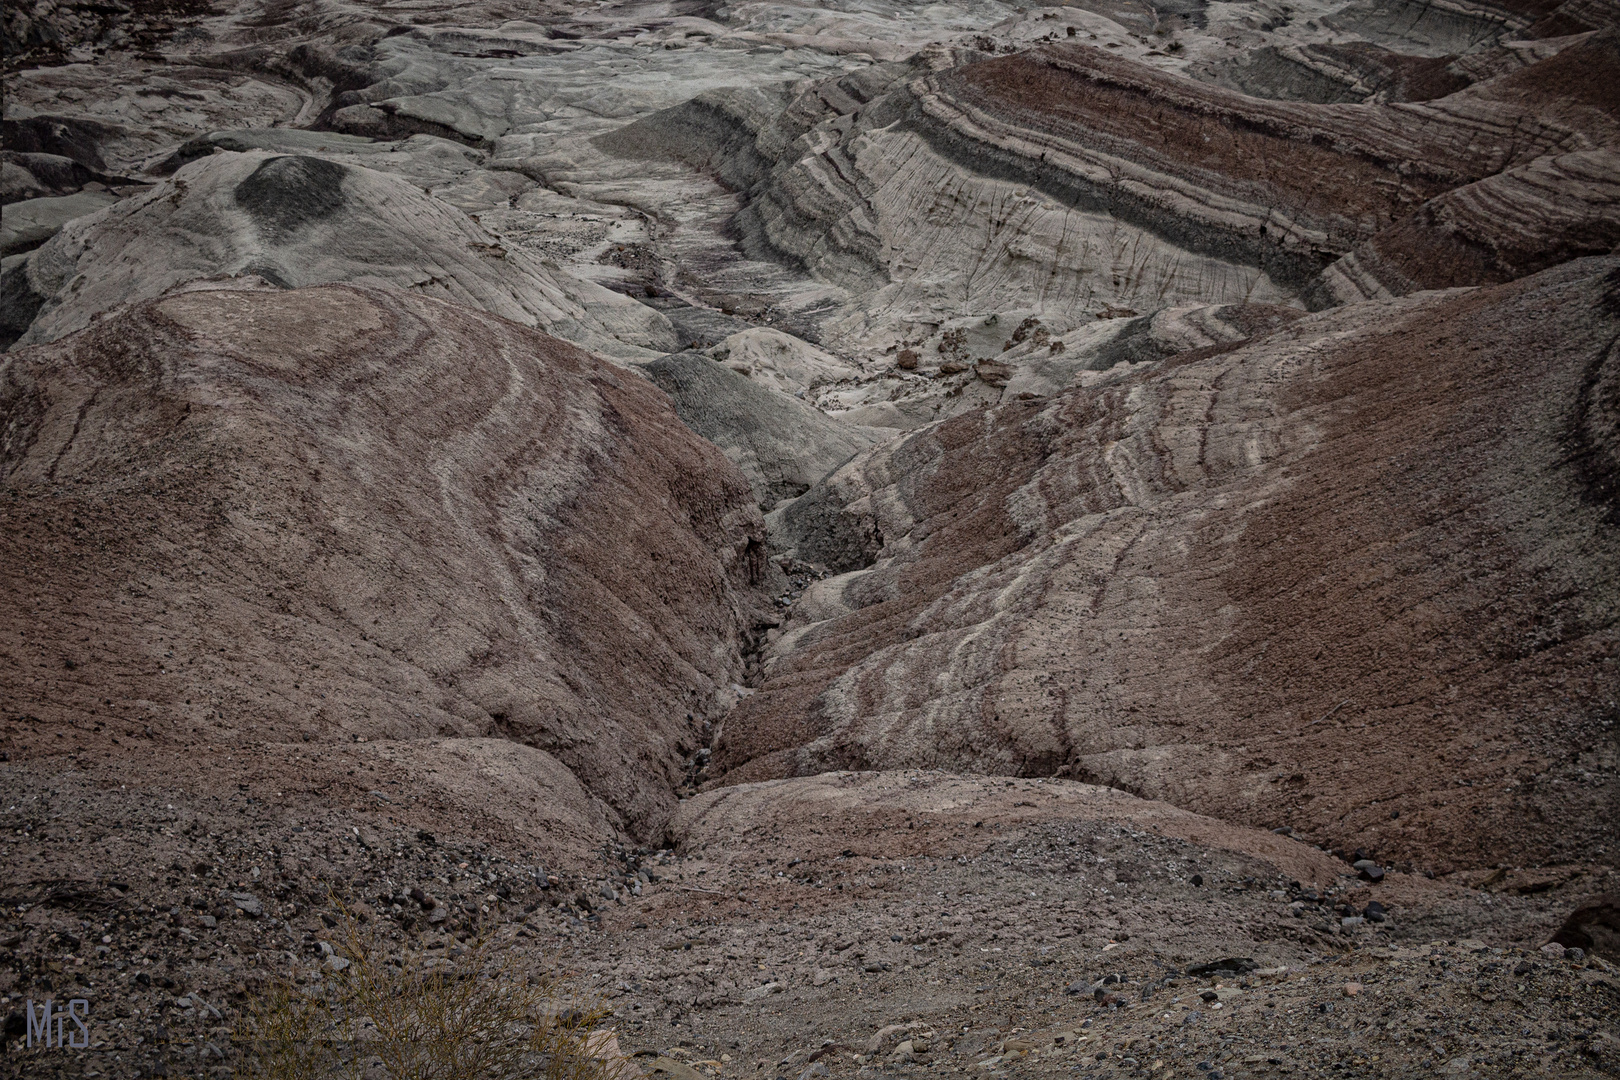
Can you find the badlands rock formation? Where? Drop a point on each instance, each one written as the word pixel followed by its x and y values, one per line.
pixel 781 444
pixel 295 220
pixel 1302 581
pixel 831 520
pixel 341 514
pixel 1068 178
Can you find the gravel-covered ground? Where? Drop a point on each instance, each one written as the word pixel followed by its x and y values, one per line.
pixel 1025 938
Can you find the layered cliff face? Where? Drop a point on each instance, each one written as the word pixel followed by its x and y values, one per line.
pixel 1067 178
pixel 1356 576
pixel 1557 208
pixel 862 178
pixel 336 514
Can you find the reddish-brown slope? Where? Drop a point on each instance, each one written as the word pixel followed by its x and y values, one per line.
pixel 339 514
pixel 1368 566
pixel 1290 186
pixel 1523 219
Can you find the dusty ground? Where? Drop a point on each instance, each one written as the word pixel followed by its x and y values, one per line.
pixel 792 922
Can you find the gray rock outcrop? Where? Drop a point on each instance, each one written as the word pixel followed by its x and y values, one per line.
pixel 781 444
pixel 298 220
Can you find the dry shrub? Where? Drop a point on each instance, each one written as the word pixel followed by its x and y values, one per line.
pixel 474 1016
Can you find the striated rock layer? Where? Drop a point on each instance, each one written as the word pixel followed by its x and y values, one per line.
pixel 1067 178
pixel 1152 526
pixel 339 514
pixel 297 220
pixel 1357 576
pixel 1552 210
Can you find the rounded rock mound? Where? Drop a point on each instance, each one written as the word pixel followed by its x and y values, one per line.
pixel 341 514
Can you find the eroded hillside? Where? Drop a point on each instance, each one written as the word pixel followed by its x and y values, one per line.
pixel 887 538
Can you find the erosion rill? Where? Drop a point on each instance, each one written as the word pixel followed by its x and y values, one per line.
pixel 794 541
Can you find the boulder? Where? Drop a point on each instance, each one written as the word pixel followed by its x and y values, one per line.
pixel 1594 927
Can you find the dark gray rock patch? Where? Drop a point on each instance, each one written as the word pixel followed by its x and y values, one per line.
pixel 285 194
pixel 781 444
pixel 64 136
pixel 19 303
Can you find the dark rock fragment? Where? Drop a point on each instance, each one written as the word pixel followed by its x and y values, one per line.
pixel 1234 965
